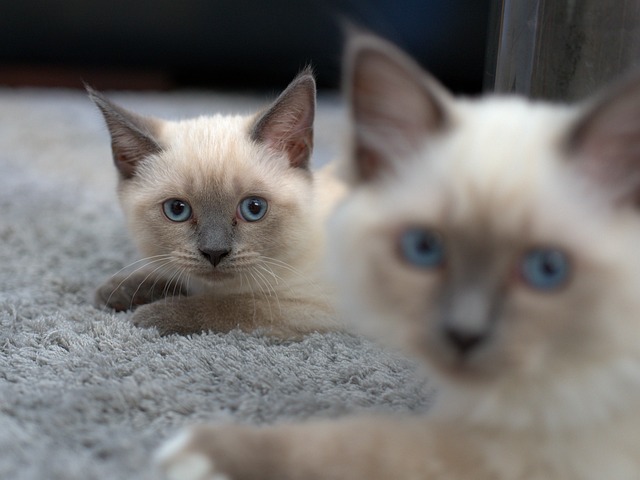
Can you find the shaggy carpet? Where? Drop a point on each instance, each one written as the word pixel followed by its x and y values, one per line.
pixel 84 394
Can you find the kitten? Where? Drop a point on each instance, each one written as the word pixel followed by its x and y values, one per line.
pixel 495 238
pixel 229 217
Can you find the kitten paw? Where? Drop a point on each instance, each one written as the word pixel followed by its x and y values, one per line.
pixel 167 316
pixel 127 292
pixel 178 459
pixel 151 315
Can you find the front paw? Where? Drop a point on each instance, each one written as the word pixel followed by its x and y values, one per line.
pixel 181 459
pixel 167 316
pixel 127 292
pixel 158 315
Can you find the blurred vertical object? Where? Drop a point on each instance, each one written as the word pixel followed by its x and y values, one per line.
pixel 560 49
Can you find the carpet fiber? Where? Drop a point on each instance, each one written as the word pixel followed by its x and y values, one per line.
pixel 85 395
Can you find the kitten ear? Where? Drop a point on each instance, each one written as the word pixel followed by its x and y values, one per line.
pixel 132 136
pixel 395 105
pixel 287 125
pixel 605 140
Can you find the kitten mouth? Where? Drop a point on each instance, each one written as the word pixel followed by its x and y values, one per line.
pixel 464 368
pixel 215 275
pixel 454 364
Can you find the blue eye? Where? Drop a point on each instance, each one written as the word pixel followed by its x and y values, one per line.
pixel 422 248
pixel 177 210
pixel 252 209
pixel 545 268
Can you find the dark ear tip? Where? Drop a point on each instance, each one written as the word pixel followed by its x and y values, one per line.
pixel 306 77
pixel 96 97
pixel 307 71
pixel 92 92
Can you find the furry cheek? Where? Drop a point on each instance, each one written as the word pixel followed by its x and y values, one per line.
pixel 404 312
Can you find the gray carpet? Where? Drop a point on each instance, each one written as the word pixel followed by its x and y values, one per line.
pixel 83 394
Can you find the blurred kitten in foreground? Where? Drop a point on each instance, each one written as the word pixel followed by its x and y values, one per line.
pixel 495 239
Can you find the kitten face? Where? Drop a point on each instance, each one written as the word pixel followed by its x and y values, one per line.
pixel 486 235
pixel 218 209
pixel 225 199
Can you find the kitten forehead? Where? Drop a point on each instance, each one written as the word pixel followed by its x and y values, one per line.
pixel 505 141
pixel 214 155
pixel 502 166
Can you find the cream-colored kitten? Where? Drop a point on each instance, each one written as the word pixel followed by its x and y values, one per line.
pixel 496 239
pixel 228 216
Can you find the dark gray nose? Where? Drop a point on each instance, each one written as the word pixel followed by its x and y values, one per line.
pixel 464 340
pixel 215 256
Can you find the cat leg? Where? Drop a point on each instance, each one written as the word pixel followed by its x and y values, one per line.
pixel 372 448
pixel 289 318
pixel 128 291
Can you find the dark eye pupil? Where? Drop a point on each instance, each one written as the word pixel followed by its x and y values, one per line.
pixel 548 267
pixel 545 269
pixel 422 248
pixel 255 207
pixel 549 264
pixel 426 243
pixel 177 207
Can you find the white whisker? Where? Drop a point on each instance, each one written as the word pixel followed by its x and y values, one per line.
pixel 265 295
pixel 154 258
pixel 153 272
pixel 253 297
pixel 268 270
pixel 150 261
pixel 269 262
pixel 270 287
pixel 279 263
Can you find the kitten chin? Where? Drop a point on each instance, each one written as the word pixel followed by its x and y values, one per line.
pixel 224 210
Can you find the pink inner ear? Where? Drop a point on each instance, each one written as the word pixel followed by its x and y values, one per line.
pixel 296 143
pixel 125 164
pixel 607 144
pixel 298 152
pixel 396 106
pixel 287 126
pixel 369 163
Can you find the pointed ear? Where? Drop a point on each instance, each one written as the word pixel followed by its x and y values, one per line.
pixel 395 105
pixel 133 137
pixel 605 140
pixel 287 125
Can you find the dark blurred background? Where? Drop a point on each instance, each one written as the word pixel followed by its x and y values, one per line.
pixel 239 44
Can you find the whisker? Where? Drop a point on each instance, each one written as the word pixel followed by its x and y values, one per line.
pixel 152 257
pixel 269 288
pixel 253 298
pixel 175 277
pixel 146 278
pixel 155 259
pixel 159 277
pixel 262 267
pixel 266 297
pixel 270 261
pixel 266 268
pixel 279 263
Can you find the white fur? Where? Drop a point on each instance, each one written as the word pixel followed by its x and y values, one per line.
pixel 179 462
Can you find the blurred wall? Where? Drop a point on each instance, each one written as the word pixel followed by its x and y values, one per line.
pixel 227 43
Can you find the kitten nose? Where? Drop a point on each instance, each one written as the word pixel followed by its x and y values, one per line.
pixel 463 340
pixel 215 256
